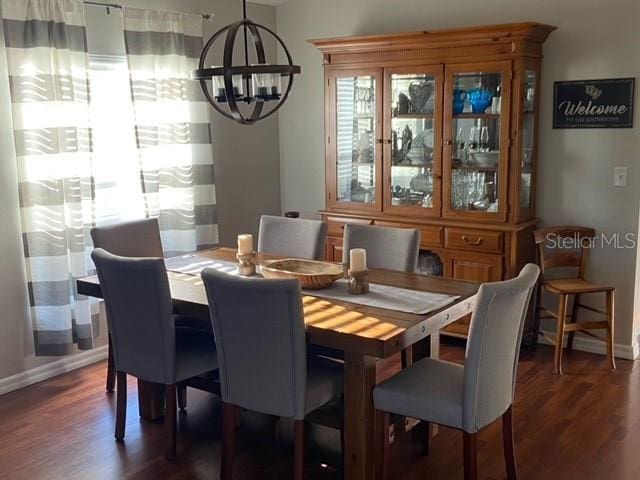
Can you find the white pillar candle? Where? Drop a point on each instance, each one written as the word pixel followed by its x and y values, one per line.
pixel 245 244
pixel 358 259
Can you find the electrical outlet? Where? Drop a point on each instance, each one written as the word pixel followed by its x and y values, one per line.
pixel 620 177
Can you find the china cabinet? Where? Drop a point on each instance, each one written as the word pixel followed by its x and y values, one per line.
pixel 437 131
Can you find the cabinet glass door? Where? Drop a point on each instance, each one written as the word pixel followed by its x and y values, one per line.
pixel 527 75
pixel 477 140
pixel 355 143
pixel 528 129
pixel 413 139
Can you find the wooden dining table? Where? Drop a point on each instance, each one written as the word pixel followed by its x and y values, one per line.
pixel 367 336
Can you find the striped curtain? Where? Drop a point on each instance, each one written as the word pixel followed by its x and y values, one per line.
pixel 172 127
pixel 48 66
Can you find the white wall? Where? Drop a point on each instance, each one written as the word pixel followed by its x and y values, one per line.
pixel 595 39
pixel 246 163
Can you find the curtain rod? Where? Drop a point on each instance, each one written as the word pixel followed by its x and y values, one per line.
pixel 205 16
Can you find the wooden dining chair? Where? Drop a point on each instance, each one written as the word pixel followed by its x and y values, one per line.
pixel 145 340
pixel 137 238
pixel 567 248
pixel 262 353
pixel 292 237
pixel 387 247
pixel 471 396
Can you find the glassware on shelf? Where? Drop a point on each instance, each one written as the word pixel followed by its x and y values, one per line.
pixel 484 139
pixel 473 138
pixel 461 153
pixel 473 190
pixel 480 99
pixel 459 96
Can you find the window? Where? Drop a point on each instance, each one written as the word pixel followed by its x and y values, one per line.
pixel 117 167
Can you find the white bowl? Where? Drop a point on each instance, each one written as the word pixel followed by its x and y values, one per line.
pixel 485 159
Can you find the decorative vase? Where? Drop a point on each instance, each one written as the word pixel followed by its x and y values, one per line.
pixel 459 97
pixel 480 99
pixel 420 94
pixel 403 104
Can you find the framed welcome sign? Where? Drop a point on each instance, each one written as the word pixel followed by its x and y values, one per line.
pixel 593 103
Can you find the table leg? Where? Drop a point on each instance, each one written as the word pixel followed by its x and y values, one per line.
pixel 150 400
pixel 359 380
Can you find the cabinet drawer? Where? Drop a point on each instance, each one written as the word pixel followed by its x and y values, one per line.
pixel 430 236
pixel 335 225
pixel 475 240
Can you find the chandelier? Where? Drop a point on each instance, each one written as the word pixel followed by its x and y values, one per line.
pixel 256 85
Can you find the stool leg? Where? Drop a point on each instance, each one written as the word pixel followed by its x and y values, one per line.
pixel 562 310
pixel 610 310
pixel 574 319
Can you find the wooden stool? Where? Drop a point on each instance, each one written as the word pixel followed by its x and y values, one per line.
pixel 574 257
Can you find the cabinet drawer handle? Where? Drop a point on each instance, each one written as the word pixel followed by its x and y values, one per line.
pixel 474 243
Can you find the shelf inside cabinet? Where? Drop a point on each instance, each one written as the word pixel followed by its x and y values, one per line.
pixel 473 168
pixel 477 115
pixel 413 165
pixel 364 116
pixel 413 116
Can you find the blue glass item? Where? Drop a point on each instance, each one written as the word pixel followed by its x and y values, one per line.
pixel 480 99
pixel 459 97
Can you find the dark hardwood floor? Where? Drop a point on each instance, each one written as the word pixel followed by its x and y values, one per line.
pixel 583 425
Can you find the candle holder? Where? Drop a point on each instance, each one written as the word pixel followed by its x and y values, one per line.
pixel 358 282
pixel 246 264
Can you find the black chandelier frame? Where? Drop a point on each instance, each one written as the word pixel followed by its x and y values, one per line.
pixel 228 70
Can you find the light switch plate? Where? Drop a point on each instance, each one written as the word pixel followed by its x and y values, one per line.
pixel 620 177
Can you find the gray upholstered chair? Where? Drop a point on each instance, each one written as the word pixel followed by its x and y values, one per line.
pixel 467 397
pixel 388 248
pixel 137 238
pixel 146 343
pixel 262 353
pixel 293 237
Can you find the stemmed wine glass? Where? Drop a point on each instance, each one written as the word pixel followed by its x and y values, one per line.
pixel 484 139
pixel 473 138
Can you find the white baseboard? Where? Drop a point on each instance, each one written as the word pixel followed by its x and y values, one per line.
pixel 52 369
pixel 591 345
